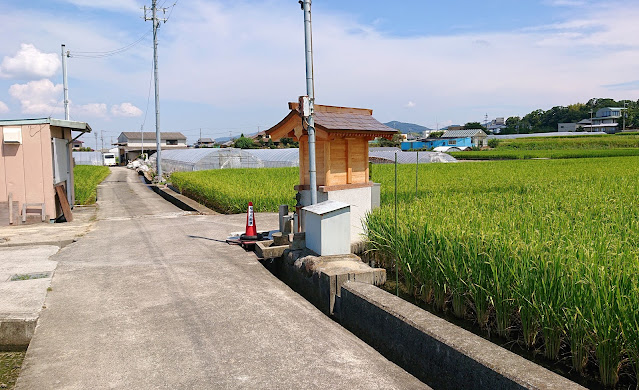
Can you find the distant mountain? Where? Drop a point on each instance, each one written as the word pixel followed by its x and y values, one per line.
pixel 221 140
pixel 407 127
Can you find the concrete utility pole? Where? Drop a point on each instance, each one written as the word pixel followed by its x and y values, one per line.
pixel 156 24
pixel 310 122
pixel 96 141
pixel 65 82
pixel 102 138
pixel 142 134
pixel 625 104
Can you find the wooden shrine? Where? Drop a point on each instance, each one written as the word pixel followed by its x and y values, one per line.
pixel 341 144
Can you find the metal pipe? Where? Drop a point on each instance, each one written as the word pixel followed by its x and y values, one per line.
pixel 65 82
pixel 310 91
pixel 396 265
pixel 158 136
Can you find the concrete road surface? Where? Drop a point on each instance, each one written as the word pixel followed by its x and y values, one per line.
pixel 152 299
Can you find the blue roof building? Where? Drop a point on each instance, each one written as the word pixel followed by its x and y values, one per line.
pixel 430 143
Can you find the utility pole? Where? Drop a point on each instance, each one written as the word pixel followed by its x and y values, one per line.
pixel 624 115
pixel 65 83
pixel 96 140
pixel 102 138
pixel 310 122
pixel 142 133
pixel 156 24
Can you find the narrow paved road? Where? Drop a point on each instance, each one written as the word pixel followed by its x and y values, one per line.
pixel 150 299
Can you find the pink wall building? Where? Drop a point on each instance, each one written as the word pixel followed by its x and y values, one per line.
pixel 35 156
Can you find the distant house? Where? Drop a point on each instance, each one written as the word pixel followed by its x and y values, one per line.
pixel 77 144
pixel 496 125
pixel 607 119
pixel 477 136
pixel 204 142
pixel 432 143
pixel 131 143
pixel 566 127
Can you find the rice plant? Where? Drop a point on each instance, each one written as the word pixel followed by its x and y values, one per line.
pixel 86 180
pixel 549 246
pixel 230 190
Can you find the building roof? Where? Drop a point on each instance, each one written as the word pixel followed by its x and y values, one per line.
pixel 463 133
pixel 205 140
pixel 136 135
pixel 333 119
pixel 349 121
pixel 73 125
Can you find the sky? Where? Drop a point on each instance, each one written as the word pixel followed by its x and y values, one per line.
pixel 230 66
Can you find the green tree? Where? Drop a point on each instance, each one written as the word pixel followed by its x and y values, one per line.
pixel 394 142
pixel 493 142
pixel 244 143
pixel 435 134
pixel 474 125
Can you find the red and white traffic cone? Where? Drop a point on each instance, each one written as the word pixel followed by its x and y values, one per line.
pixel 251 229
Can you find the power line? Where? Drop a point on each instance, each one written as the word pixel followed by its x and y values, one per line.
pixel 148 99
pixel 102 54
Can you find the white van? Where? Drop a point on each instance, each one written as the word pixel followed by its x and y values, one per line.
pixel 109 159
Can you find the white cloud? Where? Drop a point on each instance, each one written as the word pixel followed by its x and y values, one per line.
pixel 566 3
pixel 38 97
pixel 111 5
pixel 91 109
pixel 126 110
pixel 30 63
pixel 3 108
pixel 410 104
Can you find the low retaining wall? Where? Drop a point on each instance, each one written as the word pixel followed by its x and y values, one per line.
pixel 16 333
pixel 319 279
pixel 437 352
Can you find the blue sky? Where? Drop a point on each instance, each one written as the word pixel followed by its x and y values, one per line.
pixel 231 66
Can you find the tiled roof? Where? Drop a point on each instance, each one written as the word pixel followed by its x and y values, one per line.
pixel 349 121
pixel 202 140
pixel 462 133
pixel 135 135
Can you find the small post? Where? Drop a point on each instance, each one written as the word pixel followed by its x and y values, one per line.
pixel 416 171
pixel 396 265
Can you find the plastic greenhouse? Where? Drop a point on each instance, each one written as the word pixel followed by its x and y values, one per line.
pixel 213 158
pixel 88 158
pixel 388 157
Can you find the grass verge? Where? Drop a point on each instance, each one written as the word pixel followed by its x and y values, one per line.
pixel 10 363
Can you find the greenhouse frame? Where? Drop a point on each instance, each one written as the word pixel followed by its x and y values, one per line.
pixel 180 160
pixel 218 158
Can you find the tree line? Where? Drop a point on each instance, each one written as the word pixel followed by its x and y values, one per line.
pixel 540 121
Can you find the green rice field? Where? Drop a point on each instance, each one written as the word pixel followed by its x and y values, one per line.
pixel 542 252
pixel 577 146
pixel 230 190
pixel 86 180
pixel 597 141
pixel 524 154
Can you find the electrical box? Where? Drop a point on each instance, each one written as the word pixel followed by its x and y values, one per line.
pixel 12 135
pixel 305 106
pixel 328 228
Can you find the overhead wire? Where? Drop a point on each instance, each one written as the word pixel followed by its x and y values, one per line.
pixel 102 54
